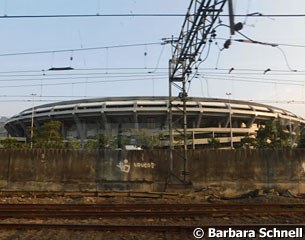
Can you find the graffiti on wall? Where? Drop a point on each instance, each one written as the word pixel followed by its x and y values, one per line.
pixel 144 165
pixel 125 166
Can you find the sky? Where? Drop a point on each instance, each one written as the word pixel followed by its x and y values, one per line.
pixel 128 57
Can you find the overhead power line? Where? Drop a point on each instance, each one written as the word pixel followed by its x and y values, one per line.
pixel 80 49
pixel 83 82
pixel 263 81
pixel 144 70
pixel 254 15
pixel 148 69
pixel 47 96
pixel 77 75
pixel 54 78
pixel 95 15
pixel 277 44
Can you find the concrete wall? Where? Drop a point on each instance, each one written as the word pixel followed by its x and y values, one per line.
pixel 228 171
pixel 244 170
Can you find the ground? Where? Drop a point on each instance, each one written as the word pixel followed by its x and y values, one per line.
pixel 205 197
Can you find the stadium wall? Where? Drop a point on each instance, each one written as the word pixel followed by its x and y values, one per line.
pixel 228 171
pixel 124 117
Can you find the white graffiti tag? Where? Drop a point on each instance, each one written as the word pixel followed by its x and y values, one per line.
pixel 124 166
pixel 144 165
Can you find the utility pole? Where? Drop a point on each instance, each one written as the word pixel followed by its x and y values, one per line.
pixel 198 24
pixel 32 120
pixel 230 120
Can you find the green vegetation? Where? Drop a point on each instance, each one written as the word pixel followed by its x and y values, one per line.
pixel 101 142
pixel 74 144
pixel 48 136
pixel 145 141
pixel 301 143
pixel 214 143
pixel 10 143
pixel 270 135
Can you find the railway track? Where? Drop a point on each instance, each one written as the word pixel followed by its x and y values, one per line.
pixel 139 228
pixel 106 194
pixel 180 219
pixel 91 211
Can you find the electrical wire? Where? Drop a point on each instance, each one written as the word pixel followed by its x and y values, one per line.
pixel 81 74
pixel 126 75
pixel 278 44
pixel 82 77
pixel 46 96
pixel 80 49
pixel 251 15
pixel 256 81
pixel 266 101
pixel 286 59
pixel 253 71
pixel 81 82
pixel 256 78
pixel 247 15
pixel 158 61
pixel 274 44
pixel 236 69
pixel 250 40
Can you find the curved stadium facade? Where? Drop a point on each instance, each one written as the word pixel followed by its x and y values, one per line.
pixel 206 118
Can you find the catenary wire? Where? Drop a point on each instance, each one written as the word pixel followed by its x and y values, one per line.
pixel 81 82
pixel 82 77
pixel 253 78
pixel 256 81
pixel 80 49
pixel 251 15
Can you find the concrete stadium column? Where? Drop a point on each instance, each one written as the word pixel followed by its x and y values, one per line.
pixel 166 118
pixel 107 128
pixel 251 121
pixel 227 122
pixel 79 128
pixel 135 116
pixel 136 120
pixel 199 119
pixel 295 131
pixel 24 129
pixel 198 123
pixel 14 129
pixel 63 130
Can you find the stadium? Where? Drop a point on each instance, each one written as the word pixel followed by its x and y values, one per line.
pixel 207 118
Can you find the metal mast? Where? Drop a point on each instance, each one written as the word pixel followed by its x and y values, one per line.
pixel 200 18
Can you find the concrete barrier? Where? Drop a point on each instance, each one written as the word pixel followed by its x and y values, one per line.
pixel 231 171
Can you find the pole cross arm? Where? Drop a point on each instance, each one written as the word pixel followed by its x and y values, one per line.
pixel 198 23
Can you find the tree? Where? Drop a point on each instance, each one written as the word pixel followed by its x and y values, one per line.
pixel 10 143
pixel 248 142
pixel 214 143
pixel 91 145
pixel 301 143
pixel 145 141
pixel 74 144
pixel 101 142
pixel 106 142
pixel 48 135
pixel 272 135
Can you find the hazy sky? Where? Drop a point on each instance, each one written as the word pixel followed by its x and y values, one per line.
pixel 114 70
